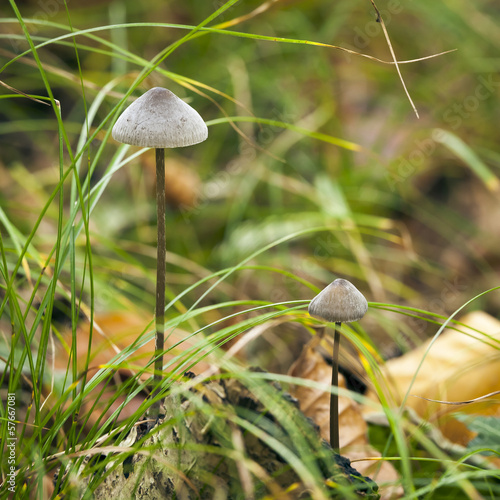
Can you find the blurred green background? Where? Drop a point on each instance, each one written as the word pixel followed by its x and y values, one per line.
pixel 410 215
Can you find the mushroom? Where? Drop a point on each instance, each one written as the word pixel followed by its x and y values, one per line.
pixel 159 119
pixel 340 302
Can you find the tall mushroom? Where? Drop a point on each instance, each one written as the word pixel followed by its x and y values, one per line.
pixel 159 119
pixel 340 302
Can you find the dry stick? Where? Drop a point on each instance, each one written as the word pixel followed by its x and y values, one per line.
pixel 160 274
pixel 334 397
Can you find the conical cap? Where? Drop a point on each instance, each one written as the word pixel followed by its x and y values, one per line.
pixel 159 119
pixel 339 302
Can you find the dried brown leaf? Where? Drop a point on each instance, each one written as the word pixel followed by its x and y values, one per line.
pixel 460 366
pixel 315 403
pixel 113 331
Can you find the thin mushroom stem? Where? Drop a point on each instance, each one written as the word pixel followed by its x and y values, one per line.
pixel 334 397
pixel 160 275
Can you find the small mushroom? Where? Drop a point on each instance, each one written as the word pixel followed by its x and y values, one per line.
pixel 340 302
pixel 159 119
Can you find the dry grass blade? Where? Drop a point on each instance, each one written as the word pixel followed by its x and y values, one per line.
pixel 432 56
pixel 23 93
pixel 66 75
pixel 468 402
pixel 386 34
pixel 259 10
pixel 276 39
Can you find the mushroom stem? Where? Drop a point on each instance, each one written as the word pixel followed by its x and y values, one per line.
pixel 160 274
pixel 334 397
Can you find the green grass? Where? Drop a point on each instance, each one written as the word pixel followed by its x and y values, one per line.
pixel 315 168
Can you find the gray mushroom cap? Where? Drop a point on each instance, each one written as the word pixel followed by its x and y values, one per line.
pixel 159 119
pixel 339 302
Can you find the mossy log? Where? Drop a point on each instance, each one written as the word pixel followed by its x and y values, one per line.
pixel 217 440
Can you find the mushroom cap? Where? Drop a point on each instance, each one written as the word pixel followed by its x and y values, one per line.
pixel 159 119
pixel 339 302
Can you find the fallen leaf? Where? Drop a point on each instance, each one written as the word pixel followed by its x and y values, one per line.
pixel 315 404
pixel 114 331
pixel 461 365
